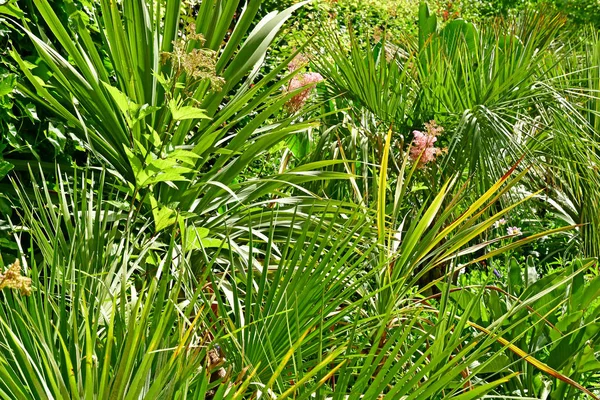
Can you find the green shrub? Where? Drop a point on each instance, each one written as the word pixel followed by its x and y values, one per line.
pixel 579 11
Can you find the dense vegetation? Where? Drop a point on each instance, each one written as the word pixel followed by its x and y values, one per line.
pixel 275 199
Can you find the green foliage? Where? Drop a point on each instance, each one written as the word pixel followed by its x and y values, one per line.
pixel 493 93
pixel 579 11
pixel 163 114
pixel 369 16
pixel 565 326
pixel 95 327
pixel 117 311
pixel 415 226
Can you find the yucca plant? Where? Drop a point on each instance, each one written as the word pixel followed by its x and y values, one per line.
pixel 175 101
pixel 117 311
pixel 433 241
pixel 93 326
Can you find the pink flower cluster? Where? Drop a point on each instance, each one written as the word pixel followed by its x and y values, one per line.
pixel 423 148
pixel 308 80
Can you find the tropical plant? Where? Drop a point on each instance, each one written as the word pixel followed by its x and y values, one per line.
pixel 115 311
pixel 92 328
pixel 493 90
pixel 364 265
pixel 176 109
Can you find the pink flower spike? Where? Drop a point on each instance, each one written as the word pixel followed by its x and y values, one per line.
pixel 309 79
pixel 423 148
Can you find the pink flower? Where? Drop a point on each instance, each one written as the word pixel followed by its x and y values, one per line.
pixel 423 148
pixel 308 80
pixel 513 231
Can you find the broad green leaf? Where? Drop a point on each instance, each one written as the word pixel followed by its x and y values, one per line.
pixel 186 112
pixel 7 84
pixel 515 277
pixel 164 217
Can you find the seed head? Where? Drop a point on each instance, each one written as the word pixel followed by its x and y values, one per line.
pixel 12 279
